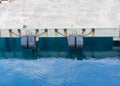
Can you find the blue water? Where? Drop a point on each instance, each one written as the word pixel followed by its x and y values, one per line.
pixel 60 72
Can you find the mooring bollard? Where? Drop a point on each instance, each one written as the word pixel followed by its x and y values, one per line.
pixel 46 32
pixel 10 32
pixel 19 32
pixel 83 32
pixel 93 32
pixel 56 32
pixel 37 32
pixel 65 32
pixel 0 33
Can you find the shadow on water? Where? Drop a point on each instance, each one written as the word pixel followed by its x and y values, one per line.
pixel 71 54
pixel 94 47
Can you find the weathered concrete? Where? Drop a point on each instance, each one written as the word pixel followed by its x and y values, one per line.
pixel 60 13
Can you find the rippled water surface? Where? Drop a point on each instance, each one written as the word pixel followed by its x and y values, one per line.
pixel 59 72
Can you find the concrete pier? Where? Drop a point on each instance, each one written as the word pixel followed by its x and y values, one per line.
pixel 60 14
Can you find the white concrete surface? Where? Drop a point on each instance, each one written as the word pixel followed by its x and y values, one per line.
pixel 60 13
